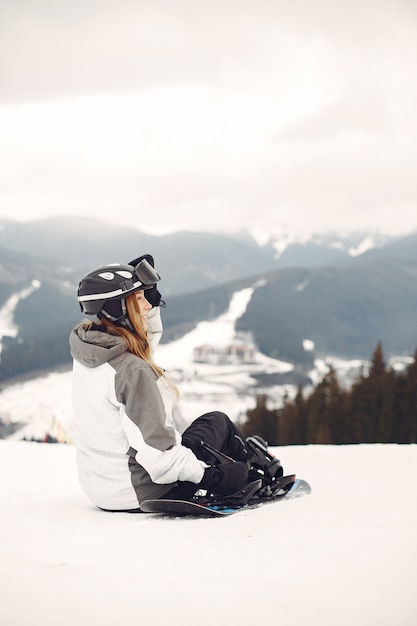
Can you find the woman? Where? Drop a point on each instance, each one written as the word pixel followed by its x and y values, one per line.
pixel 128 448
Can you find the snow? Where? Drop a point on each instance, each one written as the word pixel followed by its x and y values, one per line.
pixel 220 332
pixel 229 387
pixel 301 286
pixel 308 345
pixel 44 404
pixel 343 555
pixel 8 327
pixel 365 245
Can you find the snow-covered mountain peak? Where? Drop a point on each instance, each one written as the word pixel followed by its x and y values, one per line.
pixel 281 238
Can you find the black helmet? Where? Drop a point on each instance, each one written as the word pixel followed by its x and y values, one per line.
pixel 103 290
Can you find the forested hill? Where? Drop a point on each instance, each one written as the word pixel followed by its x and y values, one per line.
pixel 380 407
pixel 345 307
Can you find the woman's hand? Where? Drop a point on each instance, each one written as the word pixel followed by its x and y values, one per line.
pixel 225 478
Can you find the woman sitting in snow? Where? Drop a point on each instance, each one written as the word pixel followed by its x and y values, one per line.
pixel 128 448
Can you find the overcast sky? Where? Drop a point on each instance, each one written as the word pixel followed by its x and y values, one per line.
pixel 211 115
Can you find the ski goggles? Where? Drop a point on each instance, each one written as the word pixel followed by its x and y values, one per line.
pixel 147 275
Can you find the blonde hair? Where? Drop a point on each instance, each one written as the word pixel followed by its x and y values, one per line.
pixel 137 342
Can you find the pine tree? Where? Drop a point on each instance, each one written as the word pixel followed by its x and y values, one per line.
pixel 381 406
pixel 407 423
pixel 368 403
pixel 401 409
pixel 262 421
pixel 318 417
pixel 335 410
pixel 293 419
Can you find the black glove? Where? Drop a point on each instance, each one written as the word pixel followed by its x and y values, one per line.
pixel 225 478
pixel 152 295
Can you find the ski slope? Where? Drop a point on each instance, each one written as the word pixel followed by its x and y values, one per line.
pixel 343 556
pixel 43 405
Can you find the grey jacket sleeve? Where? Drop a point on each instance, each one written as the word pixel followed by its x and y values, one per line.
pixel 150 431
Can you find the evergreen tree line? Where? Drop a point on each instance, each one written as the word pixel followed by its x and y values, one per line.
pixel 380 407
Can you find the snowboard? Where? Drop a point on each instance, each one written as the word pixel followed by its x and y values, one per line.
pixel 180 508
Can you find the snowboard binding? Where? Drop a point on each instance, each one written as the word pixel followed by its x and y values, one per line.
pixel 234 500
pixel 266 480
pixel 263 465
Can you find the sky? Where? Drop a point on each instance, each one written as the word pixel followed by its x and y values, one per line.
pixel 221 115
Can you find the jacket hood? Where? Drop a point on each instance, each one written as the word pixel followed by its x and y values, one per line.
pixel 93 348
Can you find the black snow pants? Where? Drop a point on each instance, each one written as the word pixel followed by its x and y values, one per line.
pixel 218 431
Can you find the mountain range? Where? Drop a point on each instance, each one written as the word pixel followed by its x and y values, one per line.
pixel 341 293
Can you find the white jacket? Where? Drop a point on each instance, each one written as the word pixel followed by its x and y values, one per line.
pixel 128 449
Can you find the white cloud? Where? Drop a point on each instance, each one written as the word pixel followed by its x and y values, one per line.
pixel 210 115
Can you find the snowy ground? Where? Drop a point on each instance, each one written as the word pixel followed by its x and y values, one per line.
pixel 344 555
